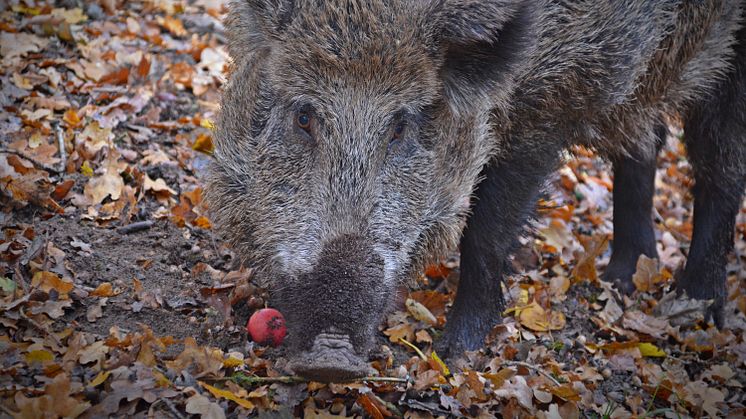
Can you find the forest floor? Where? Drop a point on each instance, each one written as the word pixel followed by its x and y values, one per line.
pixel 117 298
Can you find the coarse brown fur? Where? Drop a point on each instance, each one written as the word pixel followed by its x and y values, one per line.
pixel 434 123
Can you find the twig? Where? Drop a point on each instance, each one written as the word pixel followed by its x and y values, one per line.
pixel 135 227
pixel 61 145
pixel 292 379
pixel 533 368
pixel 31 159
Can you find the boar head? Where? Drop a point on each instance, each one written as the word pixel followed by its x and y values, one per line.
pixel 351 136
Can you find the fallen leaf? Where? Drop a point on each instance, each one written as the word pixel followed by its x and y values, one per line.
pixel 702 396
pixel 201 405
pixel 585 268
pixel 109 184
pixel 8 286
pixel 516 388
pixel 420 312
pixel 57 398
pixel 104 289
pixel 228 395
pixel 537 319
pixel 38 357
pixel 646 273
pixel 402 331
pixel 53 309
pixel 204 144
pixel 370 408
pixel 643 323
pixel 100 378
pixel 96 310
pixel 648 349
pixel 47 281
pixel 440 365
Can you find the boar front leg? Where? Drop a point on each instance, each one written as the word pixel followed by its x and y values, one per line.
pixel 504 199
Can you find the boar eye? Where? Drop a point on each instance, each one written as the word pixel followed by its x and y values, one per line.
pixel 304 121
pixel 398 131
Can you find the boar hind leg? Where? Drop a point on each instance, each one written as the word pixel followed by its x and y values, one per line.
pixel 503 201
pixel 634 178
pixel 715 134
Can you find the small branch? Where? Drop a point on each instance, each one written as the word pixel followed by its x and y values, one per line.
pixel 291 379
pixel 61 145
pixel 135 227
pixel 31 159
pixel 533 368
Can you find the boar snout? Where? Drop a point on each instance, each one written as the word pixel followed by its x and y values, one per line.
pixel 332 358
pixel 334 309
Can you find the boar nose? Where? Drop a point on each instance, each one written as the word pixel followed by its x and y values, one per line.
pixel 332 311
pixel 332 358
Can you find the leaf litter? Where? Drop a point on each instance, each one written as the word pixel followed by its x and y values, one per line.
pixel 118 299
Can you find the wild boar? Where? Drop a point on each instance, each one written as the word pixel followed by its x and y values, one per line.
pixel 359 140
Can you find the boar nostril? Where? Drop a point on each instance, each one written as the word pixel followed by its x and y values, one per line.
pixel 332 358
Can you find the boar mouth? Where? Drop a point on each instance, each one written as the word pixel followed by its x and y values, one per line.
pixel 332 358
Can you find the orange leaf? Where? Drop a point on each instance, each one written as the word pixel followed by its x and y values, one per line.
pixel 565 392
pixel 104 290
pixel 71 118
pixel 202 222
pixel 120 76
pixel 437 271
pixel 47 281
pixel 174 25
pixel 143 68
pixel 370 407
pixel 203 144
pixel 402 331
pixel 646 273
pixel 61 190
pixel 537 319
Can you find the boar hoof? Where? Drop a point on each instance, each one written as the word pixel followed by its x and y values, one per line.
pixel 620 274
pixel 332 358
pixel 703 287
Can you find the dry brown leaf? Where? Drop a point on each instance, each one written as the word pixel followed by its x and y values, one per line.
pixel 701 396
pixel 646 274
pixel 53 309
pixel 104 289
pixel 402 331
pixel 537 319
pixel 516 388
pixel 109 184
pixel 420 312
pixel 57 398
pixel 427 379
pixel 643 323
pixel 680 310
pixel 585 268
pixel 47 281
pixel 201 361
pixel 96 310
pixel 201 405
pixel 174 25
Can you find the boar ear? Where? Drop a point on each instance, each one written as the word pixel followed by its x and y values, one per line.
pixel 251 24
pixel 483 42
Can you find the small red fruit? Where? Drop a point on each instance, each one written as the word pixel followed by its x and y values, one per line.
pixel 267 327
